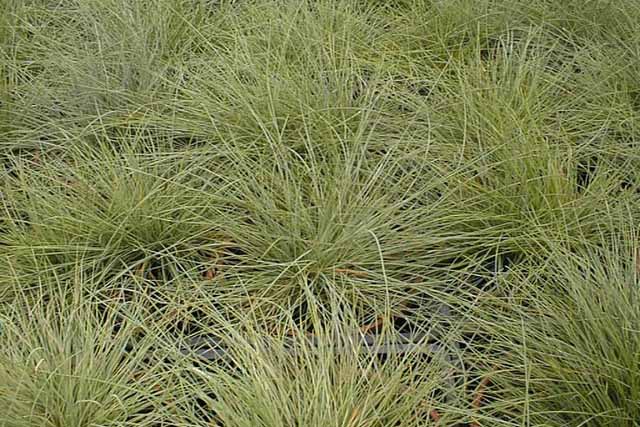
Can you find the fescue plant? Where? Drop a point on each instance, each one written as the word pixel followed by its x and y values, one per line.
pixel 63 362
pixel 266 168
pixel 565 345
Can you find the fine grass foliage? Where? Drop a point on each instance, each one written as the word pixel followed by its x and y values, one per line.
pixel 267 382
pixel 259 168
pixel 63 363
pixel 566 335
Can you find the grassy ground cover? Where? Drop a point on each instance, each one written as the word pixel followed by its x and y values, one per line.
pixel 266 172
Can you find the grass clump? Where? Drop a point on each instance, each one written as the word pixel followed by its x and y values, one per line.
pixel 328 382
pixel 568 354
pixel 62 363
pixel 114 213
